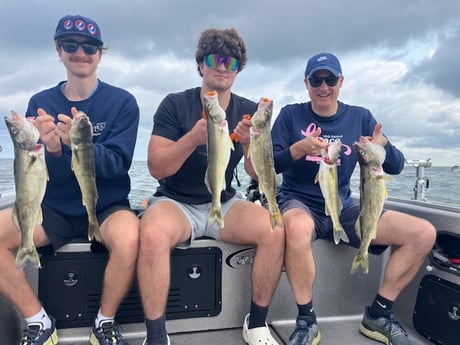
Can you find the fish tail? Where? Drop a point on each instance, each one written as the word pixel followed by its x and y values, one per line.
pixel 360 260
pixel 93 231
pixel 340 234
pixel 27 255
pixel 215 216
pixel 276 220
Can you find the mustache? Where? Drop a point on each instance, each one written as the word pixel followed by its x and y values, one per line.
pixel 85 59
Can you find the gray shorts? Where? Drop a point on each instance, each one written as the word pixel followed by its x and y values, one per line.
pixel 197 216
pixel 324 228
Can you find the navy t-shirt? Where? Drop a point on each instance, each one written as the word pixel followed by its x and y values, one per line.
pixel 176 116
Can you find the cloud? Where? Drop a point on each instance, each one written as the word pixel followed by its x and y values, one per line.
pixel 399 58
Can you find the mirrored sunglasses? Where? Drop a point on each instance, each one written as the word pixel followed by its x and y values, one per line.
pixel 72 46
pixel 331 80
pixel 215 60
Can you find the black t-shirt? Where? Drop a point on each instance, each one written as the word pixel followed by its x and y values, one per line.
pixel 176 116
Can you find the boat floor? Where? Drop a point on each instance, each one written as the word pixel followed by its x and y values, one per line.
pixel 334 331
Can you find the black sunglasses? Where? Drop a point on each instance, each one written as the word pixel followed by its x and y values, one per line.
pixel 72 46
pixel 331 80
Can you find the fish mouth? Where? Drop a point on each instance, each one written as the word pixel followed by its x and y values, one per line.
pixel 12 124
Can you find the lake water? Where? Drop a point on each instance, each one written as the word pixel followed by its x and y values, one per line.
pixel 443 183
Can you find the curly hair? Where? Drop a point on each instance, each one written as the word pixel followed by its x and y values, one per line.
pixel 225 42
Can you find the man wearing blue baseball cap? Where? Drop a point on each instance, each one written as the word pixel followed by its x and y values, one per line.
pixel 114 114
pixel 300 133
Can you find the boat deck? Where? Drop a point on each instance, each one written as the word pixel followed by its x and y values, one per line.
pixel 339 297
pixel 334 331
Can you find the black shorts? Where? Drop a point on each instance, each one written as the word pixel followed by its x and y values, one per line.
pixel 324 228
pixel 62 229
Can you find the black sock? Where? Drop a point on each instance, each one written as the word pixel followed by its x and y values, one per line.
pixel 380 307
pixel 257 316
pixel 156 331
pixel 306 312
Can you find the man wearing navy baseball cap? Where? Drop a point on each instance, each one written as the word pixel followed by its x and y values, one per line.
pixel 301 135
pixel 79 26
pixel 114 115
pixel 325 61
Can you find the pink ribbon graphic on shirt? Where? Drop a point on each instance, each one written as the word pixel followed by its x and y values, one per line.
pixel 308 131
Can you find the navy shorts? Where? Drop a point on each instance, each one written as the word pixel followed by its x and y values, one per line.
pixel 323 224
pixel 62 229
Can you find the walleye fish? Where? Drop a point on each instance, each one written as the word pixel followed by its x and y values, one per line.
pixel 219 146
pixel 328 183
pixel 30 178
pixel 261 155
pixel 372 197
pixel 83 166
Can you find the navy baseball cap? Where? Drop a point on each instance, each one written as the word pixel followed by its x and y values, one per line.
pixel 325 61
pixel 78 25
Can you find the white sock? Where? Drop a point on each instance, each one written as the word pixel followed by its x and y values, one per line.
pixel 41 319
pixel 102 318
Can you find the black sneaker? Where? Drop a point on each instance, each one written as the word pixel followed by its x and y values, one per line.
pixel 384 329
pixel 107 334
pixel 304 333
pixel 35 335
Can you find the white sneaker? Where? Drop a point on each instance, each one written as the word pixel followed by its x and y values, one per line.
pixel 258 335
pixel 145 341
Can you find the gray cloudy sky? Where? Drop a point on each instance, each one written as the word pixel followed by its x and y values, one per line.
pixel 399 58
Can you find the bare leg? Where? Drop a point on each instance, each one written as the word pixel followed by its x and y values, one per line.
pixel 120 234
pixel 414 238
pixel 299 261
pixel 163 226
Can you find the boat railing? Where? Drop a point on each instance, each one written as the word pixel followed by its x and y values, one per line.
pixel 422 182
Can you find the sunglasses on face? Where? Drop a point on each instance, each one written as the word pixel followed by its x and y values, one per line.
pixel 331 80
pixel 72 46
pixel 215 60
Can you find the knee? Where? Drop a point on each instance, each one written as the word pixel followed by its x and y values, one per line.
pixel 427 235
pixel 127 247
pixel 275 240
pixel 152 239
pixel 299 232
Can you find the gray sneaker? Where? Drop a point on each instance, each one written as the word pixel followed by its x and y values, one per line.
pixel 384 329
pixel 305 334
pixel 107 333
pixel 35 335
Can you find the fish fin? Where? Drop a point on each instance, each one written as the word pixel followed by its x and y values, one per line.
pixel 15 216
pixel 206 182
pixel 232 147
pixel 27 255
pixel 215 216
pixel 94 232
pixel 360 261
pixel 358 228
pixel 340 234
pixel 276 220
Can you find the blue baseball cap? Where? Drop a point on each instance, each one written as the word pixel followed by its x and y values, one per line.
pixel 325 61
pixel 78 25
